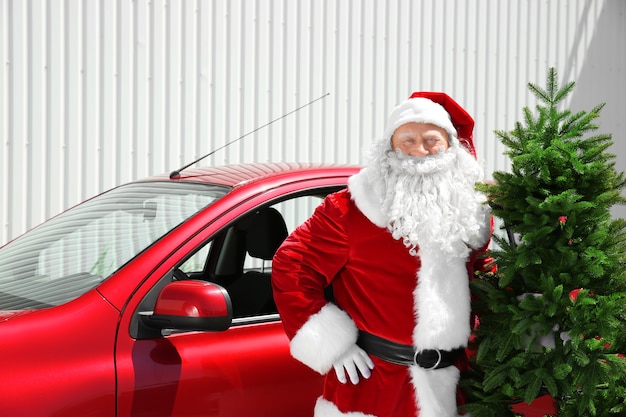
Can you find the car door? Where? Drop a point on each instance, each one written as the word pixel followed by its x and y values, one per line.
pixel 245 370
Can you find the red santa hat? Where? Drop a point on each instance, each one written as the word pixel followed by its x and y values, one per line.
pixel 438 109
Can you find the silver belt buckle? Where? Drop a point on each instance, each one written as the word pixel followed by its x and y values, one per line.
pixel 439 357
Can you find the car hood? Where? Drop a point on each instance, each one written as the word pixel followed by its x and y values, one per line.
pixel 6 315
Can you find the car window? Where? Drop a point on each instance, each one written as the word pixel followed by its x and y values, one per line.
pixel 75 251
pixel 197 262
pixel 294 212
pixel 239 258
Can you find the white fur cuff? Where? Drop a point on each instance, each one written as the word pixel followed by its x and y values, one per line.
pixel 324 338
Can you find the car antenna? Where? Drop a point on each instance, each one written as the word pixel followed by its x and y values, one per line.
pixel 176 174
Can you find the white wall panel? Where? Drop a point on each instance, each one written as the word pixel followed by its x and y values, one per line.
pixel 5 189
pixel 97 93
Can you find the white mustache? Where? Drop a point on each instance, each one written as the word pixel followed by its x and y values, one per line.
pixel 422 165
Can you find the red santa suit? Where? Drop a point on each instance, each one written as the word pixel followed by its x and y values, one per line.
pixel 382 288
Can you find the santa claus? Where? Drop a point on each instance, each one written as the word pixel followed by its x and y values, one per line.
pixel 398 247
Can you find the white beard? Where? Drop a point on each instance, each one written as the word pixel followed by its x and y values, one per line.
pixel 431 201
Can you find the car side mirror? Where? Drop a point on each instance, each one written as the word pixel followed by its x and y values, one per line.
pixel 190 305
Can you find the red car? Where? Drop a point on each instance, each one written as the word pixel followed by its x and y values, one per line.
pixel 154 299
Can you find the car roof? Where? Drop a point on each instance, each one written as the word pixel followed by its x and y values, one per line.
pixel 237 175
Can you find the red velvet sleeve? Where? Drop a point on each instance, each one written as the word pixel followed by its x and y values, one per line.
pixel 307 262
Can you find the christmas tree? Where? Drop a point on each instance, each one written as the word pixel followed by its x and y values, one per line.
pixel 553 314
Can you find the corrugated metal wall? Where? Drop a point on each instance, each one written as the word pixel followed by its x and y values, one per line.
pixel 97 93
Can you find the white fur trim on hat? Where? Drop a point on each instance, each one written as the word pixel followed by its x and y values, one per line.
pixel 419 110
pixel 324 408
pixel 324 338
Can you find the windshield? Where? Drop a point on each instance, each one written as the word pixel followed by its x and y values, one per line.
pixel 75 251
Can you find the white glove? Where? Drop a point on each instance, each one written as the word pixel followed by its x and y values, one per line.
pixel 355 360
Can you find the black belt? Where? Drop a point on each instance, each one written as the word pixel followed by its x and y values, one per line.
pixel 407 355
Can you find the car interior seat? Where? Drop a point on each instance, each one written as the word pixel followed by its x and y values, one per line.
pixel 251 294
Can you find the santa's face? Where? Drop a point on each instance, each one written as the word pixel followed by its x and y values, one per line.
pixel 420 139
pixel 429 200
